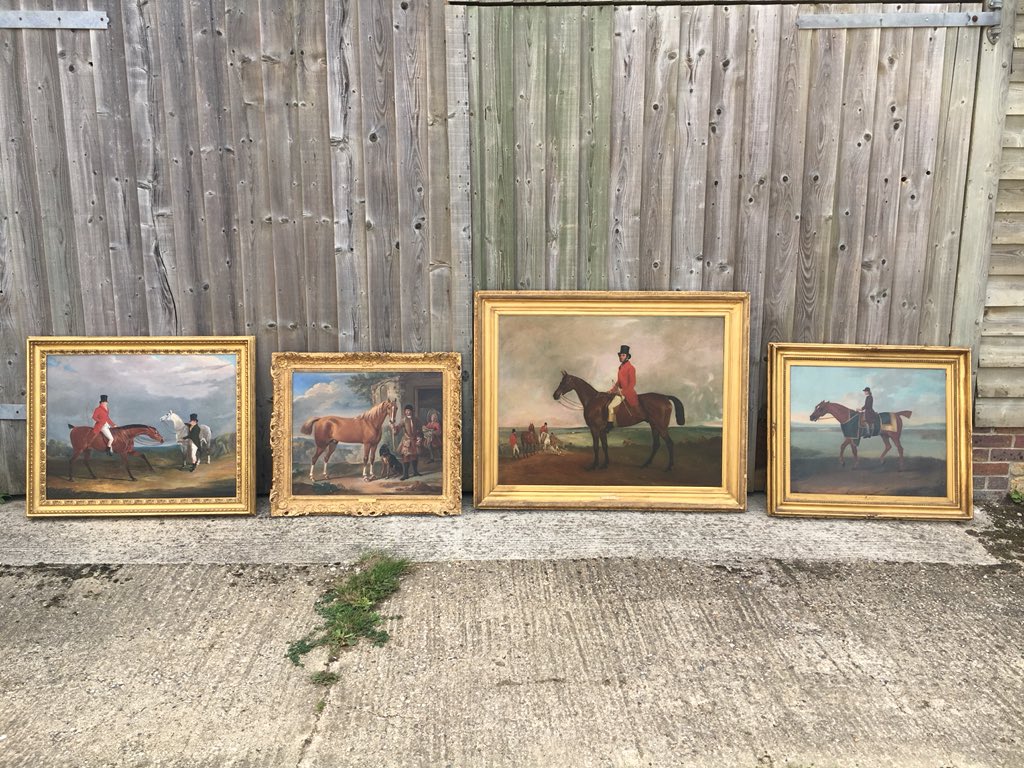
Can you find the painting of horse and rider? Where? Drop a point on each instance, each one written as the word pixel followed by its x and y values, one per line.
pixel 366 433
pixel 621 401
pixel 873 431
pixel 141 424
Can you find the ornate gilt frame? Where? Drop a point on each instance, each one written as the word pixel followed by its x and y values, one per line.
pixel 284 503
pixel 733 308
pixel 38 348
pixel 955 362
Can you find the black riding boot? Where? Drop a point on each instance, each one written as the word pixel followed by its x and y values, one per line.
pixel 405 468
pixel 416 469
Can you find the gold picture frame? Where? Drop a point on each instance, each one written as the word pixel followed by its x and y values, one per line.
pixel 348 401
pixel 157 469
pixel 819 414
pixel 692 346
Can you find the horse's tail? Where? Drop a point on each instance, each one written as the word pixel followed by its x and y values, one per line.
pixel 307 428
pixel 904 414
pixel 680 411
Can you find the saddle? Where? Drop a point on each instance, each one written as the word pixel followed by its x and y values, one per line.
pixel 857 427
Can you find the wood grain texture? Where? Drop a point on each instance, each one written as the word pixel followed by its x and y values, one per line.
pixel 692 134
pixel 659 149
pixel 1007 259
pixel 1000 383
pixel 348 193
pixel 628 54
pixel 722 201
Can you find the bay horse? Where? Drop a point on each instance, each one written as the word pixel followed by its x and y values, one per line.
pixel 328 431
pixel 849 423
pixel 658 409
pixel 83 441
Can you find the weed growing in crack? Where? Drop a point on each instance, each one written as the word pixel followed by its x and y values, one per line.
pixel 348 610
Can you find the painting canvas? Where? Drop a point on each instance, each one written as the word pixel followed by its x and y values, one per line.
pixel 366 433
pixel 588 399
pixel 870 431
pixel 140 426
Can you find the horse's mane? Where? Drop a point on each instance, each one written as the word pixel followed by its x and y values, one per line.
pixel 580 381
pixel 374 410
pixel 133 426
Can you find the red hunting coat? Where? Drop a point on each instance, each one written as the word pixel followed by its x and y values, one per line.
pixel 626 384
pixel 101 417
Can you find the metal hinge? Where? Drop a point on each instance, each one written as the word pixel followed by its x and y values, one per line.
pixel 12 412
pixel 54 20
pixel 882 20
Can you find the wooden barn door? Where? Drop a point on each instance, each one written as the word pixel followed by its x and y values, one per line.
pixel 727 148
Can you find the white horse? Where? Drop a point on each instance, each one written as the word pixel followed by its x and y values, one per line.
pixel 181 433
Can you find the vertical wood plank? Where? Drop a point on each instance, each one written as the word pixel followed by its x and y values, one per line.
pixel 85 174
pixel 626 146
pixel 181 137
pixel 817 206
pixel 755 195
pixel 595 146
pixel 475 52
pixel 410 24
pixel 882 213
pixel 728 86
pixel 982 183
pixel 855 145
pixel 959 80
pixel 221 277
pixel 256 235
pixel 659 149
pixel 692 134
pixel 529 30
pixel 458 69
pixel 788 152
pixel 562 156
pixel 319 287
pixel 277 31
pixel 127 272
pixel 46 161
pixel 349 197
pixel 156 231
pixel 439 232
pixel 497 118
pixel 917 178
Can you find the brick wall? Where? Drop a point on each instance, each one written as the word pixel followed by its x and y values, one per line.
pixel 998 460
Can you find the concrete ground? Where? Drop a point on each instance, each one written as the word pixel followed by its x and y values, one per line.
pixel 519 639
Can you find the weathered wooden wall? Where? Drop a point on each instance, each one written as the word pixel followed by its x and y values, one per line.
pixel 1000 400
pixel 342 175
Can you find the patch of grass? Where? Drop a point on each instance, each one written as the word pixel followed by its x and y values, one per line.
pixel 1016 496
pixel 348 608
pixel 324 678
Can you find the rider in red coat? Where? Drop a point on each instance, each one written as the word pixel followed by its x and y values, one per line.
pixel 625 384
pixel 103 423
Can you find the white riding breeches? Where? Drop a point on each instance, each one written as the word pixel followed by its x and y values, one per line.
pixel 105 431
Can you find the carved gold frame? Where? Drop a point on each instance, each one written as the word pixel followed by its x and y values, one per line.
pixel 284 503
pixel 38 348
pixel 733 308
pixel 957 504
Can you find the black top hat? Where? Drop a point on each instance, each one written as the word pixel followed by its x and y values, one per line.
pixel 193 417
pixel 103 398
pixel 408 407
pixel 624 350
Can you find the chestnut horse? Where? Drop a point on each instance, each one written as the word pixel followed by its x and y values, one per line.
pixel 83 441
pixel 658 410
pixel 849 423
pixel 328 431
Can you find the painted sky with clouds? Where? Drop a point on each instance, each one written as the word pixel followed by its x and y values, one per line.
pixel 679 356
pixel 141 388
pixel 922 391
pixel 324 394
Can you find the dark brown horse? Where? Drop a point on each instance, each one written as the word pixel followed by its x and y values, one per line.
pixel 657 413
pixel 328 431
pixel 849 423
pixel 83 441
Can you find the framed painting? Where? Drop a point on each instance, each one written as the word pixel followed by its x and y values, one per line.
pixel 596 400
pixel 869 431
pixel 366 433
pixel 140 426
